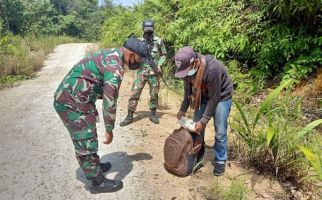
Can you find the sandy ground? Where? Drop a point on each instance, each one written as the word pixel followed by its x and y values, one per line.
pixel 38 162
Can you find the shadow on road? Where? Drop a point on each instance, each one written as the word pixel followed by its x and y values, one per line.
pixel 145 114
pixel 122 164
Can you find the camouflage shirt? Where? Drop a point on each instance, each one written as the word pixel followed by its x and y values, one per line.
pixel 157 50
pixel 98 75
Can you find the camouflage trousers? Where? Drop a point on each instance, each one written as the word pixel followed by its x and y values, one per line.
pixel 137 88
pixel 82 129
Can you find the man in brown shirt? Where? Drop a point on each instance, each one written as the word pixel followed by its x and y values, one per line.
pixel 208 89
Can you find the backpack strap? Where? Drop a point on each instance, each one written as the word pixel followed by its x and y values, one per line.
pixel 196 148
pixel 197 144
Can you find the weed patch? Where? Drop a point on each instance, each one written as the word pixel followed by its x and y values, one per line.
pixel 236 190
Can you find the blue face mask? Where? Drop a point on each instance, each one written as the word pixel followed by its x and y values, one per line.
pixel 192 72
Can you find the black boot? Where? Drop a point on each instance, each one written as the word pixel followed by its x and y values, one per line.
pixel 219 169
pixel 105 166
pixel 101 184
pixel 128 120
pixel 153 116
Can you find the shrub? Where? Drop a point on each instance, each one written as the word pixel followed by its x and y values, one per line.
pixel 270 135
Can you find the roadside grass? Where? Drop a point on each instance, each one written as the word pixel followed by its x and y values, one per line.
pixel 236 190
pixel 11 80
pixel 21 57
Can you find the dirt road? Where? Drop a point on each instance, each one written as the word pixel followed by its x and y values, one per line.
pixel 38 162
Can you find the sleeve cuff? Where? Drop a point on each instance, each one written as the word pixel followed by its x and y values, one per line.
pixel 204 120
pixel 182 109
pixel 109 128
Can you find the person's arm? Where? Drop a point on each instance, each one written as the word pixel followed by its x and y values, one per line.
pixel 111 84
pixel 214 89
pixel 163 54
pixel 186 98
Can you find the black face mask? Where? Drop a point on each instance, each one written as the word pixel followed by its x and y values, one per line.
pixel 148 35
pixel 134 66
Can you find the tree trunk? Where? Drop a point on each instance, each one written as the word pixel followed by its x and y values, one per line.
pixel 8 24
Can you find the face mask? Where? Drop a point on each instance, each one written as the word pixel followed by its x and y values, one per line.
pixel 134 66
pixel 148 35
pixel 192 72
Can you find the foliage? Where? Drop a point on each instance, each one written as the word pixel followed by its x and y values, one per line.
pixel 10 80
pixel 21 57
pixel 116 28
pixel 313 155
pixel 77 18
pixel 278 38
pixel 70 25
pixel 42 18
pixel 270 135
pixel 12 15
pixel 292 11
pixel 243 82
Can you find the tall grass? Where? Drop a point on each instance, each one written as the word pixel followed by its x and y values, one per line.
pixel 21 57
pixel 272 139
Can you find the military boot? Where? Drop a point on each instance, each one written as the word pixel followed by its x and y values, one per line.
pixel 101 184
pixel 153 116
pixel 128 120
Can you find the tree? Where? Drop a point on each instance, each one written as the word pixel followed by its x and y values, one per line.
pixel 42 17
pixel 61 6
pixel 12 15
pixel 70 25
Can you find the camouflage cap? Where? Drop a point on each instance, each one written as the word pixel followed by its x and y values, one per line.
pixel 137 46
pixel 183 59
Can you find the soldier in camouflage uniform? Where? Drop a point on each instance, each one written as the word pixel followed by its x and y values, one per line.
pixel 97 76
pixel 148 72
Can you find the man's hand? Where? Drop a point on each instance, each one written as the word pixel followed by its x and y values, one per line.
pixel 199 127
pixel 180 114
pixel 109 137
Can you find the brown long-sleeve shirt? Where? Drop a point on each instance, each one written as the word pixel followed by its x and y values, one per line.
pixel 216 86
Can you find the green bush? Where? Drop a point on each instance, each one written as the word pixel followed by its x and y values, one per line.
pixel 244 84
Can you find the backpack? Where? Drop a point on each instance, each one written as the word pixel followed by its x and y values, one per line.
pixel 180 152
